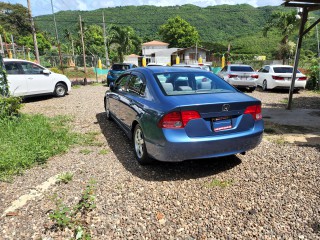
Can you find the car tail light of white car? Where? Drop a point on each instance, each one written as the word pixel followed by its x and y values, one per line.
pixel 302 79
pixel 232 75
pixel 255 76
pixel 277 78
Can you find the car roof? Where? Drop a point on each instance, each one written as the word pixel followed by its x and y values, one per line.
pixel 165 69
pixel 15 60
pixel 236 65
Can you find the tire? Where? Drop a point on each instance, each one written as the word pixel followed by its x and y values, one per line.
pixel 108 114
pixel 264 85
pixel 251 89
pixel 60 90
pixel 139 146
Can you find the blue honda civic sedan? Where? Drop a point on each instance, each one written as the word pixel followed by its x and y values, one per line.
pixel 177 114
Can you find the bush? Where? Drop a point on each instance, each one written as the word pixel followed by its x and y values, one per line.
pixel 9 106
pixel 313 73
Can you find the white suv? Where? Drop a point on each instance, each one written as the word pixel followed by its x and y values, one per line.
pixel 26 78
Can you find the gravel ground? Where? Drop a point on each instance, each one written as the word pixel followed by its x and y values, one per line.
pixel 272 192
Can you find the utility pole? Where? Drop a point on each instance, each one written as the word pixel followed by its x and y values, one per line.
pixel 105 42
pixel 33 34
pixel 83 49
pixel 13 49
pixel 1 46
pixel 57 37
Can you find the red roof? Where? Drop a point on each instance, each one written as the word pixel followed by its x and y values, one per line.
pixel 155 43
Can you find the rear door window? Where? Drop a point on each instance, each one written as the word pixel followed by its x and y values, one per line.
pixel 136 85
pixel 13 68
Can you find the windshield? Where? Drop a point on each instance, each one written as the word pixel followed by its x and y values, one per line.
pixel 241 69
pixel 120 67
pixel 181 83
pixel 284 70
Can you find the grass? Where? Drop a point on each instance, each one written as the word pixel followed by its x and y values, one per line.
pixel 32 139
pixel 104 152
pixel 85 151
pixel 219 183
pixel 65 177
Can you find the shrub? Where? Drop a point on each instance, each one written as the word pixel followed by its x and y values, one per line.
pixel 9 106
pixel 313 73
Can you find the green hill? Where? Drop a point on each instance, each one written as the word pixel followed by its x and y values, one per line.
pixel 216 24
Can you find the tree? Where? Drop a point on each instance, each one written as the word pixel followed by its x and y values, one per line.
pixel 68 35
pixel 179 33
pixel 124 41
pixel 288 24
pixel 43 43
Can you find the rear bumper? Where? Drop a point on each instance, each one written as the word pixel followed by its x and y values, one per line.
pixel 242 83
pixel 181 147
pixel 287 84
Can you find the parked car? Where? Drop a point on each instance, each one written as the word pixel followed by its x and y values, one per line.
pixel 116 70
pixel 200 66
pixel 279 77
pixel 239 75
pixel 26 78
pixel 175 114
pixel 155 64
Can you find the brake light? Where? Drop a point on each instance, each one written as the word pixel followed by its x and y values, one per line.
pixel 302 78
pixel 232 76
pixel 177 119
pixel 277 78
pixel 255 76
pixel 255 111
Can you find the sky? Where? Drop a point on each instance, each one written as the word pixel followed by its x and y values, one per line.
pixel 42 7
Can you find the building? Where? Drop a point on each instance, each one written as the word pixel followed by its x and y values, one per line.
pixel 191 55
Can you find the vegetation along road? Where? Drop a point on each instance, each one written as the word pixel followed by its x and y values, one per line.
pixel 97 188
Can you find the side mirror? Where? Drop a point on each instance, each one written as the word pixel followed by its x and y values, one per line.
pixel 46 71
pixel 112 87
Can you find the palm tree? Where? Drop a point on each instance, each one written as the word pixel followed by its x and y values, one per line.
pixel 124 40
pixel 288 24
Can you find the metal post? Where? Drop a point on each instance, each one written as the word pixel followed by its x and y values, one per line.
pixel 33 33
pixel 105 42
pixel 296 60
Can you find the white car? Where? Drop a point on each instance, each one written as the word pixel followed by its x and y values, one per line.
pixel 26 78
pixel 279 77
pixel 240 76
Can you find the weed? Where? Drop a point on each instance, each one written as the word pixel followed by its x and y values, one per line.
pixel 104 152
pixel 74 217
pixel 96 84
pixel 90 139
pixel 219 183
pixel 85 151
pixel 76 86
pixel 65 177
pixel 270 130
pixel 284 101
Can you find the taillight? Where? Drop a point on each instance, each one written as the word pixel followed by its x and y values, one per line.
pixel 302 78
pixel 232 76
pixel 255 111
pixel 277 78
pixel 255 76
pixel 177 119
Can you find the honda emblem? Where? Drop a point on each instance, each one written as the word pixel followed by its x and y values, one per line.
pixel 225 107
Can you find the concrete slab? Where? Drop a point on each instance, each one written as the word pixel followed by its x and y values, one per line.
pixel 309 118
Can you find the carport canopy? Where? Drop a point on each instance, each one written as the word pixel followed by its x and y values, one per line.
pixel 306 7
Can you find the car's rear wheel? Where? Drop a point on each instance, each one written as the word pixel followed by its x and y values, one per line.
pixel 264 85
pixel 140 149
pixel 107 107
pixel 60 90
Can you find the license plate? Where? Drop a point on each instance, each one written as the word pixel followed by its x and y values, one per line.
pixel 221 123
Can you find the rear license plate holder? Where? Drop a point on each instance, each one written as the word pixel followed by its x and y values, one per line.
pixel 221 123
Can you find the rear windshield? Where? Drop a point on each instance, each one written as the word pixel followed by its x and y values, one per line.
pixel 181 83
pixel 241 69
pixel 120 67
pixel 284 70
